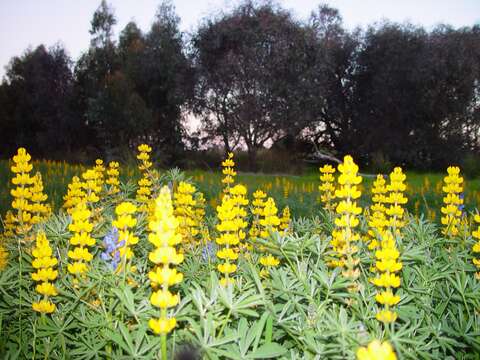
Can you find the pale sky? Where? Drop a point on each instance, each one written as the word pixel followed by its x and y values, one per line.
pixel 25 23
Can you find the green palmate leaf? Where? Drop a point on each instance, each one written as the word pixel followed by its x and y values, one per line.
pixel 267 351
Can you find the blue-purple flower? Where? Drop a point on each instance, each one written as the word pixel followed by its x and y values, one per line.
pixel 111 245
pixel 209 251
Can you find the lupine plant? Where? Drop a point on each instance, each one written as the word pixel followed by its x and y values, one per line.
pixel 115 274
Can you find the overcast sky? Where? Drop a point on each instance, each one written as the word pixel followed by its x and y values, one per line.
pixel 26 23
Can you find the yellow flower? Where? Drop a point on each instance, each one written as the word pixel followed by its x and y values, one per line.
pixel 163 325
pixel 387 298
pixel 22 193
pixel 3 257
pixel 376 351
pixel 144 190
pixel 452 201
pixel 227 268
pixel 344 235
pixel 396 199
pixel 45 273
pixel 257 211
pixel 387 280
pixel 124 223
pixel 269 261
pixel 44 306
pixel 476 246
pixel 77 268
pixel 285 221
pixel 387 264
pixel 165 255
pixel 327 187
pixel 164 228
pixel 184 210
pixel 165 275
pixel 81 227
pixel 231 214
pixel 164 299
pixel 386 316
pixel 47 289
pixel 377 220
pixel 113 173
pixel 80 253
pixel 228 170
pixel 227 253
pixel 75 194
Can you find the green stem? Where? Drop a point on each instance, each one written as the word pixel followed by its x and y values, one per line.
pixel 20 275
pixel 225 322
pixel 163 340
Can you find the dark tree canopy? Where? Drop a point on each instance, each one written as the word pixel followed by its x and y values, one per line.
pixel 35 103
pixel 250 66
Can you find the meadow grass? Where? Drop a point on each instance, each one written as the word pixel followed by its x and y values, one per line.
pixel 299 192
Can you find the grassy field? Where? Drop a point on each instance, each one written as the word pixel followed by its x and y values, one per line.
pixel 298 192
pixel 297 308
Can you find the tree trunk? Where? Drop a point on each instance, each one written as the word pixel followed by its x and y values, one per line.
pixel 252 158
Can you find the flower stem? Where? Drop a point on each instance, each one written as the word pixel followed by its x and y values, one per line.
pixel 163 340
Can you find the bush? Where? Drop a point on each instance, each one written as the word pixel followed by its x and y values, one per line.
pixel 471 165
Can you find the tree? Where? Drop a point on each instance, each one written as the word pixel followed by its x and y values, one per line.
pixel 331 83
pixel 37 92
pixel 415 95
pixel 93 69
pixel 119 114
pixel 164 82
pixel 250 65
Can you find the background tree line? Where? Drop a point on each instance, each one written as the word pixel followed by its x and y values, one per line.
pixel 256 77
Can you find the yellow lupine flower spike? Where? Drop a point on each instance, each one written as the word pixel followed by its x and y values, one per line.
pixel 344 237
pixel 228 170
pixel 476 246
pixel 451 210
pixel 44 263
pixel 164 235
pixel 231 229
pixel 327 187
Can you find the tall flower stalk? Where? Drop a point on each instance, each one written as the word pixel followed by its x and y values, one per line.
pixel 258 204
pixel 269 223
pixel 22 193
pixel 231 228
pixel 285 221
pixel 125 222
pixel 81 228
pixel 113 172
pixel 229 173
pixel 99 168
pixel 165 237
pixel 344 237
pixel 388 265
pixel 377 221
pixel 74 195
pixel 476 246
pixel 39 209
pixel 327 187
pixel 451 210
pixel 184 210
pixel 144 191
pixel 396 200
pixel 44 264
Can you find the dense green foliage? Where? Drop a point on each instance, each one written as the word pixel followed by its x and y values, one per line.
pixel 254 76
pixel 303 311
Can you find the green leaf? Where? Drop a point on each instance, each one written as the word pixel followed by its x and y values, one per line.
pixel 267 351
